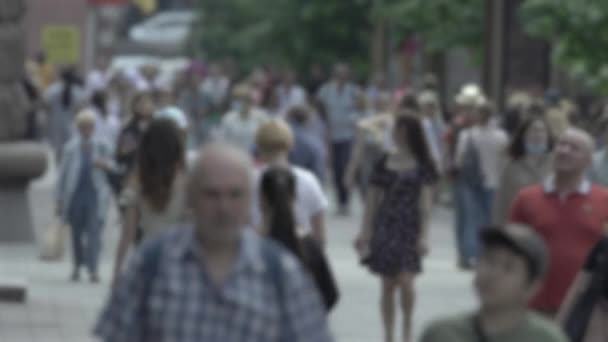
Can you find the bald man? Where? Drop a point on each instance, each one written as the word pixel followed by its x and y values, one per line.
pixel 214 279
pixel 569 212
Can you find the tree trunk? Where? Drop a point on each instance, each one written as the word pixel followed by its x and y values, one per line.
pixel 378 48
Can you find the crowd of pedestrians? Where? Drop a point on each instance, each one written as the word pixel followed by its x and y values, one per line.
pixel 221 184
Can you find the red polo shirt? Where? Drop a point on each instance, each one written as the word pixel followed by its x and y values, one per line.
pixel 570 225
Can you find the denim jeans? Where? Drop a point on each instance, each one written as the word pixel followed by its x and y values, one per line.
pixel 459 198
pixel 86 235
pixel 477 204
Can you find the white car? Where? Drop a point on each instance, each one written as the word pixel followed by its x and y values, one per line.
pixel 168 29
pixel 130 65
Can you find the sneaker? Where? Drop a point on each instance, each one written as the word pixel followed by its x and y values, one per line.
pixel 94 278
pixel 467 264
pixel 344 211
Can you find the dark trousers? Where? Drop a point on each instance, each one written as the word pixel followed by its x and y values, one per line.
pixel 86 234
pixel 477 216
pixel 341 155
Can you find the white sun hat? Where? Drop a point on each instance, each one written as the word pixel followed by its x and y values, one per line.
pixel 174 114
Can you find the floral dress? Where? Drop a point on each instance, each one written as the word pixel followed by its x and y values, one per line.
pixel 397 222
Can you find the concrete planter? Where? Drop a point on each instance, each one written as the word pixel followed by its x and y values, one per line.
pixel 20 163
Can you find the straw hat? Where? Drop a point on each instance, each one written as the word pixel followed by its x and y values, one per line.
pixel 470 95
pixel 85 117
pixel 174 114
pixel 519 100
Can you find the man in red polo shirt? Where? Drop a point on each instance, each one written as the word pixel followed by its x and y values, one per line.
pixel 568 212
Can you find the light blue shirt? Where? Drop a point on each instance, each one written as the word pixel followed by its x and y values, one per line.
pixel 341 108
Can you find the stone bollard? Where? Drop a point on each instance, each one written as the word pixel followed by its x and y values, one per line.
pixel 20 163
pixel 13 290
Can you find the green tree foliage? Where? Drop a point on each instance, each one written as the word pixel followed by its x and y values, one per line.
pixel 579 32
pixel 287 32
pixel 299 33
pixel 442 24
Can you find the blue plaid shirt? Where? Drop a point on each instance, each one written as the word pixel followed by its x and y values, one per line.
pixel 182 304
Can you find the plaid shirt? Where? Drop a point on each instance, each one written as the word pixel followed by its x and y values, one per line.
pixel 182 304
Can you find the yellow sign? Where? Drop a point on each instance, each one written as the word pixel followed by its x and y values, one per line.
pixel 147 7
pixel 61 44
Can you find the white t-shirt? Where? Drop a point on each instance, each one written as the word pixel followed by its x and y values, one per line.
pixel 491 142
pixel 310 199
pixel 107 129
pixel 240 131
pixel 215 88
pixel 289 98
pixel 97 80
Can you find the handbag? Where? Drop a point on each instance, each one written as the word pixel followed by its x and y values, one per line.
pixel 53 245
pixel 480 335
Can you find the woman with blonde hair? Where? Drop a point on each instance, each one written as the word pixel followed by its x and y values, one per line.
pixel 371 143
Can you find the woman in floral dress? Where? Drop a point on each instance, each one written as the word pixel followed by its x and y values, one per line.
pixel 394 234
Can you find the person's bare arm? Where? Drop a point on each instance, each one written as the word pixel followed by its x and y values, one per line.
pixel 426 208
pixel 578 287
pixel 127 237
pixel 130 222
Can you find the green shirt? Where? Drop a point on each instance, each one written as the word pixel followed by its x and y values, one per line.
pixel 461 329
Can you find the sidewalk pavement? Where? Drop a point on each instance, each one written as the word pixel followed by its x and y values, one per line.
pixel 60 311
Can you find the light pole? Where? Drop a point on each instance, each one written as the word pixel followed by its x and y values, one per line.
pixel 495 49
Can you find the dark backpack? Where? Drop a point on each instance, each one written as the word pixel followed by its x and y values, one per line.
pixel 470 170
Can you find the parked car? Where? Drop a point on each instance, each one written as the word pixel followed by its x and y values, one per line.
pixel 130 66
pixel 167 30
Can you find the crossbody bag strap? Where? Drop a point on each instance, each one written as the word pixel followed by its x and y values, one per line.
pixel 480 335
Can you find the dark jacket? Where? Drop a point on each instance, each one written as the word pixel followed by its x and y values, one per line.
pixel 126 154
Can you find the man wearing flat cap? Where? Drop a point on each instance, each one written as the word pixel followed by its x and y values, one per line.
pixel 510 270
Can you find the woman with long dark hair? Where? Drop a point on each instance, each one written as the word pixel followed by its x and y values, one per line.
pixel 142 111
pixel 154 197
pixel 277 197
pixel 529 163
pixel 394 233
pixel 63 99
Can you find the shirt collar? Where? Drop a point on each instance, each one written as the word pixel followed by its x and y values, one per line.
pixel 584 188
pixel 249 258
